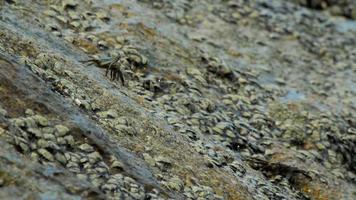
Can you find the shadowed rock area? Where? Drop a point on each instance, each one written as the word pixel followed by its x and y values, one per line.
pixel 185 99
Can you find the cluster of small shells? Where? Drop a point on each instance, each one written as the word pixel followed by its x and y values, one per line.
pixel 235 11
pixel 52 68
pixel 72 21
pixel 235 118
pixel 177 10
pixel 322 133
pixel 53 144
pixel 239 121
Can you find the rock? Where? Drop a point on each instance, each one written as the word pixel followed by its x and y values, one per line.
pixel 61 141
pixel 75 24
pixel 82 176
pixel 30 122
pixel 19 122
pixel 86 148
pixel 34 156
pixel 353 13
pixel 115 163
pixel 61 130
pixel 109 187
pixel 24 147
pixel 69 4
pixel 48 130
pixel 49 137
pixel 3 112
pixel 193 71
pixel 36 132
pixel 69 139
pixel 175 184
pixel 149 159
pixel 112 114
pixel 94 157
pixel 164 160
pixel 221 126
pixel 42 143
pixel 203 105
pixel 46 154
pixel 336 10
pixel 60 158
pixel 40 120
pixel 121 121
pixel 101 170
pixel 83 160
pixel 29 112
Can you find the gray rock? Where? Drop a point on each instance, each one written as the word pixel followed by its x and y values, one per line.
pixel 86 148
pixel 46 154
pixel 61 130
pixel 3 112
pixel 112 114
pixel 40 120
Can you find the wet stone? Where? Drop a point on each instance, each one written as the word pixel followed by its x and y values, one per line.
pixel 3 112
pixel 42 121
pixel 61 130
pixel 86 148
pixel 36 132
pixel 149 159
pixel 60 158
pixel 47 130
pixel 61 141
pixel 101 170
pixel 82 176
pixel 69 4
pixel 175 184
pixel 72 165
pixel 97 182
pixel 84 160
pixel 50 13
pixel 34 156
pixel 121 121
pixel 69 139
pixel 24 147
pixel 46 154
pixel 108 114
pixel 29 112
pixel 94 157
pixel 88 167
pixel 163 161
pixel 42 143
pixel 115 163
pixel 109 187
pixel 19 122
pixel 30 122
pixel 49 137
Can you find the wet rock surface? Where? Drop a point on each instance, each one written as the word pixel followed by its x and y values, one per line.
pixel 245 99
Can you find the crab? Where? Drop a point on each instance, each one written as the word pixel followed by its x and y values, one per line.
pixel 114 66
pixel 126 58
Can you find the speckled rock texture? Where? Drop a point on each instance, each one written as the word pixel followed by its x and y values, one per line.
pixel 184 99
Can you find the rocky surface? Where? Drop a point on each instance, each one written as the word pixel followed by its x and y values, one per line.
pixel 243 99
pixel 345 8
